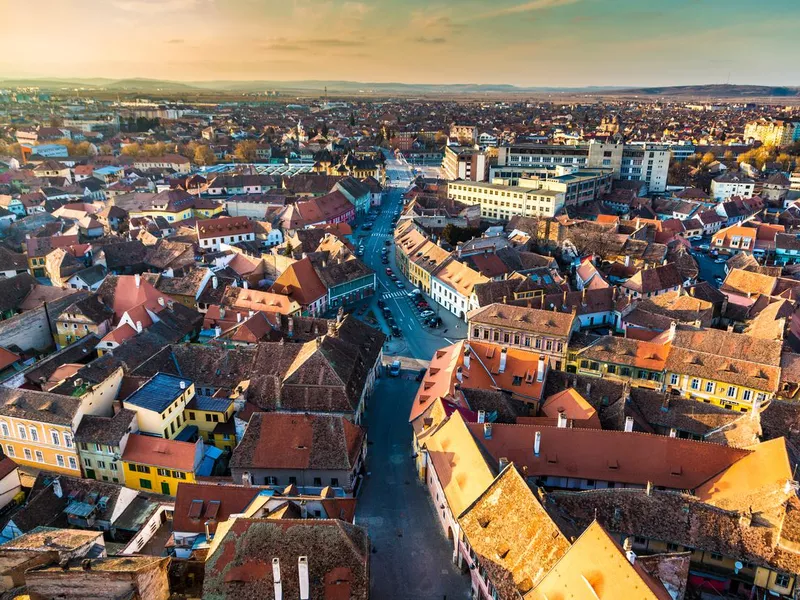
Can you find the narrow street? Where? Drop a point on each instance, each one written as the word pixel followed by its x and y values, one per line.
pixel 418 341
pixel 411 557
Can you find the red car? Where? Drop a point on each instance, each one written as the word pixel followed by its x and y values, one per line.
pixel 388 271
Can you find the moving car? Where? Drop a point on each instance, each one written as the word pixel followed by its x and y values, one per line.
pixel 394 369
pixel 396 331
pixel 400 284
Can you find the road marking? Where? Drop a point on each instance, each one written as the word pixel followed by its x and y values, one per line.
pixel 448 340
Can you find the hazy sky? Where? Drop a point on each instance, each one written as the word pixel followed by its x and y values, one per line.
pixel 523 42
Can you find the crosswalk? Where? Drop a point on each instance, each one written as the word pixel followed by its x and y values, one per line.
pixel 397 294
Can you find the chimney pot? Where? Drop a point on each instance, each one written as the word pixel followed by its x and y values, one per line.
pixel 628 424
pixel 502 463
pixel 302 570
pixel 537 443
pixel 276 577
pixel 487 431
pixel 562 420
pixel 503 358
pixel 631 556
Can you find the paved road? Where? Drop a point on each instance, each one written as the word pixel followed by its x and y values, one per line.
pixel 705 263
pixel 411 557
pixel 417 341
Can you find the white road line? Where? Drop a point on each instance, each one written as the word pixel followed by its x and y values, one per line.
pixel 448 340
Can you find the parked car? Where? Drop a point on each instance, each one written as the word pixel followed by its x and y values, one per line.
pixel 413 293
pixel 385 261
pixel 394 368
pixel 434 322
pixel 388 243
pixel 400 284
pixel 388 271
pixel 421 374
pixel 703 247
pixel 396 331
pixel 426 314
pixel 381 304
pixel 387 313
pixel 721 260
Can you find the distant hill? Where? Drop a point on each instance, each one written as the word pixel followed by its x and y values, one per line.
pixel 710 91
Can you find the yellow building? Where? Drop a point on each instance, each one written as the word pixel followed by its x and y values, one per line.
pixel 159 465
pixel 732 370
pixel 160 404
pixel 85 316
pixel 37 429
pixel 213 418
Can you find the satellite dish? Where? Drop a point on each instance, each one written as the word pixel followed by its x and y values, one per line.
pixel 737 566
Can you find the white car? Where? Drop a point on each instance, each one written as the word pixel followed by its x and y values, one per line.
pixel 426 313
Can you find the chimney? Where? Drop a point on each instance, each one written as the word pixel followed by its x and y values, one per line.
pixel 333 327
pixel 340 315
pixel 208 530
pixel 245 284
pixel 139 326
pixel 673 327
pixel 540 368
pixel 631 556
pixel 649 490
pixel 467 353
pixel 537 443
pixel 86 564
pixel 238 317
pixel 562 420
pixel 302 570
pixel 161 301
pixel 627 544
pixel 628 424
pixel 459 375
pixel 138 279
pixel 217 331
pixel 487 431
pixel 481 416
pixel 291 327
pixel 503 357
pixel 214 282
pixel 665 403
pixel 276 577
pixel 588 388
pixel 673 433
pixel 57 488
pixel 502 463
pixel 183 385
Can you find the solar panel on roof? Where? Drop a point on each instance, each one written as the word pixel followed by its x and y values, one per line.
pixel 195 509
pixel 212 509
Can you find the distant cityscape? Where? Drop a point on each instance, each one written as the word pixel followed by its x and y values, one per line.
pixel 332 340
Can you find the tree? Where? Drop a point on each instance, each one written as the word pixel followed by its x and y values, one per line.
pixel 708 158
pixel 728 155
pixel 452 234
pixel 245 151
pixel 203 155
pixel 106 149
pixel 287 251
pixel 131 150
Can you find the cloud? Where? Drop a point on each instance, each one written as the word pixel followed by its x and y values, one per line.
pixel 430 40
pixel 153 7
pixel 304 45
pixel 525 7
pixel 176 41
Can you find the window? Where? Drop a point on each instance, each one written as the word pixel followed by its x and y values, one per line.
pixel 163 472
pixel 292 480
pixel 73 464
pixel 88 463
pixel 673 380
pixel 695 384
pixel 318 481
pixel 146 484
pixel 747 395
pixel 335 481
pixel 731 392
pixel 10 450
pixel 709 387
pixel 113 466
pixel 101 464
pixel 67 440
pixel 4 428
pixel 270 480
pixel 782 580
pixel 56 438
pixel 191 416
pixel 611 369
pixel 23 435
pixel 39 456
pixel 28 455
pixel 60 460
pixel 715 556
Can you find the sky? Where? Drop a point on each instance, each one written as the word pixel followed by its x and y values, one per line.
pixel 572 43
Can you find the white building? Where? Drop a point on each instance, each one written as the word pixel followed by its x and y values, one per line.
pixel 212 233
pixel 503 201
pixel 637 162
pixel 730 184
